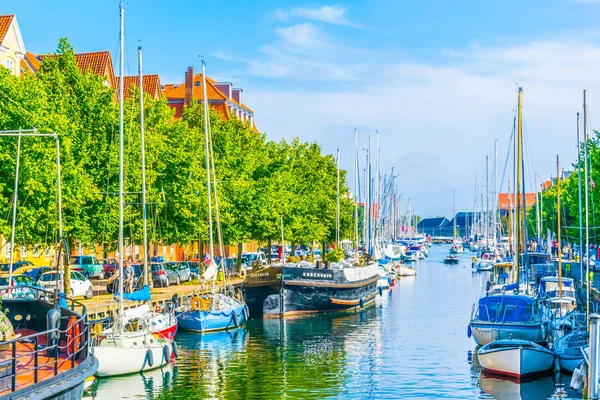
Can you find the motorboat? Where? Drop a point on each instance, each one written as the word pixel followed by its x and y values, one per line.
pixel 451 259
pixel 503 274
pixel 568 350
pixel 504 316
pixel 402 270
pixel 515 358
pixel 558 301
pixel 410 256
pixel 385 280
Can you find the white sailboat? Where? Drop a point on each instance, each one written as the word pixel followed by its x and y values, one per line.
pixel 121 352
pixel 457 247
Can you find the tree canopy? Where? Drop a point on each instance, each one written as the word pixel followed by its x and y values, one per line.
pixel 259 181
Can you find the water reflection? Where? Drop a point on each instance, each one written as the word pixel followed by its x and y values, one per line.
pixel 143 385
pixel 411 344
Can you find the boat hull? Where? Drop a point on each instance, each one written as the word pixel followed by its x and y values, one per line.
pixel 485 332
pixel 517 361
pixel 259 285
pixel 209 321
pixel 115 361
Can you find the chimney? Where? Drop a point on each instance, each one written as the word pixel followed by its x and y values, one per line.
pixel 189 86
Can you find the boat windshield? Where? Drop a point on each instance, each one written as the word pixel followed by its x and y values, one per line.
pixel 506 308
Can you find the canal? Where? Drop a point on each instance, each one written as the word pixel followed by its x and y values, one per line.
pixel 412 344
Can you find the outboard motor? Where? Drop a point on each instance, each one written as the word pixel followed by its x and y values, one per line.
pixel 53 323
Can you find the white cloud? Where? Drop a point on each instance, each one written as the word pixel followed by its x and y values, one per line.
pixel 329 14
pixel 437 120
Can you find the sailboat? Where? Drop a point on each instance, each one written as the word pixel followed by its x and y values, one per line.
pixel 121 352
pixel 213 311
pixel 456 243
pixel 509 315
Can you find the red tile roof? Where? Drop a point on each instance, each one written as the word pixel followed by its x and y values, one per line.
pixel 214 94
pixel 96 62
pixel 5 21
pixel 31 61
pixel 503 200
pixel 151 85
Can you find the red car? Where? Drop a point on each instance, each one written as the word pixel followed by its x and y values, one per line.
pixel 110 265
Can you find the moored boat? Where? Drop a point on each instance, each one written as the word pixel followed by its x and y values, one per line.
pixel 504 316
pixel 48 351
pixel 451 259
pixel 515 358
pixel 307 289
pixel 568 350
pixel 211 312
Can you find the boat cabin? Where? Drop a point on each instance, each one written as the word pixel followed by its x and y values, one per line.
pixel 503 274
pixel 507 309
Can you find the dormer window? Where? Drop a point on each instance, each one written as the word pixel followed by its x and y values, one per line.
pixel 10 64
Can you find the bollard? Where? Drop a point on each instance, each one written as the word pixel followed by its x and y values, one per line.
pixel 594 356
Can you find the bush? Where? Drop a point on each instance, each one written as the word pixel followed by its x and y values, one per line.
pixel 336 255
pixel 293 259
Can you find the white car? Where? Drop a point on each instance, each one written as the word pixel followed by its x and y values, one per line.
pixel 255 258
pixel 80 286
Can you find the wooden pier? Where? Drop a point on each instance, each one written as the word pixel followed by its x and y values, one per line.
pixel 103 305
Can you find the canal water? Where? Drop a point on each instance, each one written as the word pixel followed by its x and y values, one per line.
pixel 412 344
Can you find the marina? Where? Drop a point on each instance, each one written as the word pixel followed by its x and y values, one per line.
pixel 157 243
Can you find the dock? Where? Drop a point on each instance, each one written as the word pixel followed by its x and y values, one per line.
pixel 103 304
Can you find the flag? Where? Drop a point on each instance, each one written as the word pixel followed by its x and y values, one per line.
pixel 592 184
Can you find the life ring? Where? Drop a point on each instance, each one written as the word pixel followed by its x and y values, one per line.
pixel 195 302
pixel 158 309
pixel 73 336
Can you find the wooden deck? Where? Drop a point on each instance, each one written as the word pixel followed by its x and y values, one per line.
pixel 25 369
pixel 103 305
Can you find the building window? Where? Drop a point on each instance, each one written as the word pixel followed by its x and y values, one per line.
pixel 10 64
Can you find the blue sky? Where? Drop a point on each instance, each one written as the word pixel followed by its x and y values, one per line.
pixel 436 78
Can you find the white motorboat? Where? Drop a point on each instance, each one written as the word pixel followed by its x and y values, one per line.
pixel 515 358
pixel 402 270
pixel 384 279
pixel 484 265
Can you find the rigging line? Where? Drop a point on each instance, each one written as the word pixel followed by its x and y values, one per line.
pixel 508 153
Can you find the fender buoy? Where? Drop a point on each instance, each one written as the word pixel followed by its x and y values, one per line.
pixel 166 353
pixel 236 319
pixel 361 302
pixel 246 312
pixel 380 291
pixel 488 285
pixel 149 358
pixel 175 349
pixel 73 336
pixel 468 331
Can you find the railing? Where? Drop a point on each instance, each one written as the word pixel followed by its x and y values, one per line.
pixel 42 355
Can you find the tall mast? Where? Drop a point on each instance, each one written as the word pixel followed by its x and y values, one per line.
pixel 524 206
pixel 337 207
pixel 558 231
pixel 495 193
pixel 454 212
pixel 143 165
pixel 509 222
pixel 210 221
pixel 369 197
pixel 518 185
pixel 587 205
pixel 356 191
pixel 580 208
pixel 487 203
pixel 121 196
pixel 14 213
pixel 537 214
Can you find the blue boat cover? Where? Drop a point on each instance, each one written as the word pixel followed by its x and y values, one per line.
pixel 506 308
pixel 140 295
pixel 548 284
pixel 512 286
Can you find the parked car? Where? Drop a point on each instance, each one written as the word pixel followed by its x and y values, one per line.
pixel 157 259
pixel 110 265
pixel 182 268
pixel 37 272
pixel 5 267
pixel 89 266
pixel 22 286
pixel 194 268
pixel 255 259
pixel 80 285
pixel 163 276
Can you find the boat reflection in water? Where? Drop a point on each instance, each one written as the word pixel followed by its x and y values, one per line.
pixel 142 385
pixel 503 388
